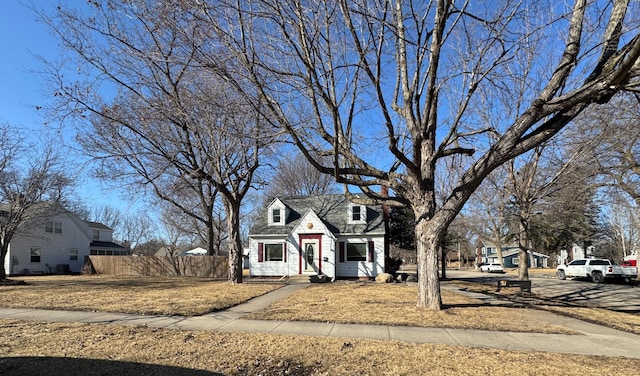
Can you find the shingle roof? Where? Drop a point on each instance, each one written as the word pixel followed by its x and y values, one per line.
pixel 98 225
pixel 100 244
pixel 333 210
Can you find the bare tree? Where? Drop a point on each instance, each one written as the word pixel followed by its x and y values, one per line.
pixel 392 89
pixel 612 129
pixel 295 176
pixel 33 185
pixel 108 215
pixel 622 219
pixel 169 121
pixel 488 213
pixel 199 218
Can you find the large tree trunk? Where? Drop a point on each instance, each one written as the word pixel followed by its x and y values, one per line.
pixel 427 242
pixel 4 249
pixel 232 209
pixel 499 254
pixel 523 257
pixel 211 243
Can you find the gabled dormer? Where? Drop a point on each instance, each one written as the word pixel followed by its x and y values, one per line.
pixel 357 213
pixel 277 213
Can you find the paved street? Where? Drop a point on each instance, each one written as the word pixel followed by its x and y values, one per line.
pixel 612 295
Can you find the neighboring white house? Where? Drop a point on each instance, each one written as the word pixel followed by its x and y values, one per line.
pixel 318 235
pixel 59 245
pixel 576 252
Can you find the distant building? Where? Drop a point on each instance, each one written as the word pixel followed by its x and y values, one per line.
pixel 59 244
pixel 487 253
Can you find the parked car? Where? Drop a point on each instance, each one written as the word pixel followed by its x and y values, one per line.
pixel 597 270
pixel 491 268
pixel 629 263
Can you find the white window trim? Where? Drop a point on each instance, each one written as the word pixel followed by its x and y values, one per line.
pixel 271 216
pixel 38 254
pixel 363 214
pixel 53 227
pixel 356 243
pixel 265 245
pixel 283 214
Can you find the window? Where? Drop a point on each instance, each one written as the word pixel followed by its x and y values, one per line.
pixel 514 261
pixel 53 227
pixel 35 254
pixel 96 234
pixel 276 216
pixel 73 254
pixel 357 213
pixel 273 252
pixel 356 252
pixel 578 262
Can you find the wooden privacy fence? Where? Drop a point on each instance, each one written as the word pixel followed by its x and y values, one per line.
pixel 188 266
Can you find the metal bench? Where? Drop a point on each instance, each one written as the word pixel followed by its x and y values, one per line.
pixel 524 285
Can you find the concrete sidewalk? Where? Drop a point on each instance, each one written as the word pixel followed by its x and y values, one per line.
pixel 594 339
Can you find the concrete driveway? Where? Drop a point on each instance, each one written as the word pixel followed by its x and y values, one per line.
pixel 611 295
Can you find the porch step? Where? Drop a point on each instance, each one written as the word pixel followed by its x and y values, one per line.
pixel 306 278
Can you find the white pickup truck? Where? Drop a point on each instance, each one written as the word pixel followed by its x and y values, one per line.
pixel 597 270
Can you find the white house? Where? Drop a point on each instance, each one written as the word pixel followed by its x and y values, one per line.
pixel 324 235
pixel 59 245
pixel 576 252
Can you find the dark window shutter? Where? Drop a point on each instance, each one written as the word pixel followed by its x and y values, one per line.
pixel 284 252
pixel 260 252
pixel 371 251
pixel 341 246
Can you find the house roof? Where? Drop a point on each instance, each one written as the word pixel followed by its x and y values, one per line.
pixel 513 252
pixel 99 244
pixel 98 225
pixel 333 210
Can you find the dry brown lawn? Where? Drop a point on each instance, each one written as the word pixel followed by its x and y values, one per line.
pixel 618 320
pixel 52 349
pixel 395 304
pixel 56 349
pixel 137 295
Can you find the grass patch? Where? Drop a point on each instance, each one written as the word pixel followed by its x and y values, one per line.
pixel 137 295
pixel 85 349
pixel 395 304
pixel 613 319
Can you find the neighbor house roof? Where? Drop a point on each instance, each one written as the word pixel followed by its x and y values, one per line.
pixel 99 244
pixel 98 225
pixel 333 210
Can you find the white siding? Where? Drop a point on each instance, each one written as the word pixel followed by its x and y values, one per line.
pixel 54 248
pixel 266 268
pixel 312 225
pixel 352 269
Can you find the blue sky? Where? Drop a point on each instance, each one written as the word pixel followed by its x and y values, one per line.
pixel 21 37
pixel 21 89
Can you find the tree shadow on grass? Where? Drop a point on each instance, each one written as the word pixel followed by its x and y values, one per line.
pixel 51 366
